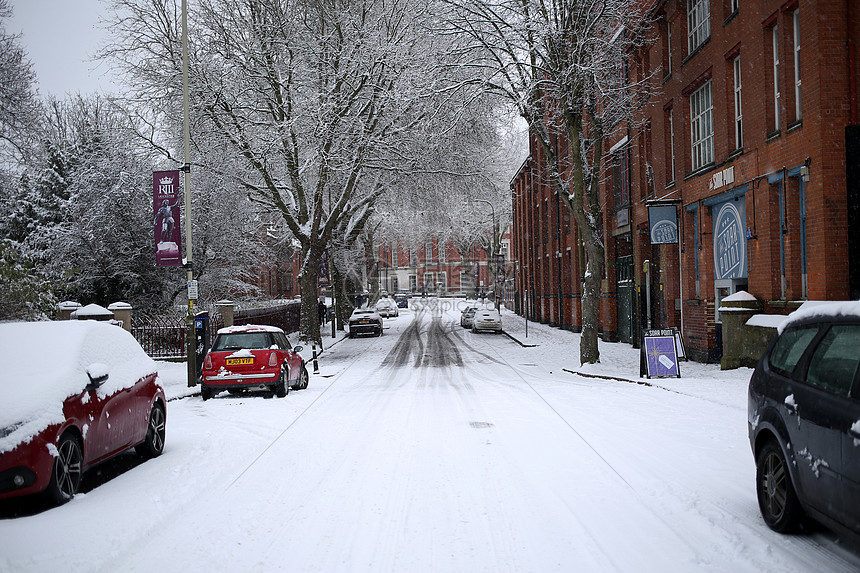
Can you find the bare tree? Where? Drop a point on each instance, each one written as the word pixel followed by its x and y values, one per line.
pixel 561 62
pixel 19 105
pixel 316 97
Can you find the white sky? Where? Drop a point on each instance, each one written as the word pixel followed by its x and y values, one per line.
pixel 60 38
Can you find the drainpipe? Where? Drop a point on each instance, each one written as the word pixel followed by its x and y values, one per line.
pixel 852 63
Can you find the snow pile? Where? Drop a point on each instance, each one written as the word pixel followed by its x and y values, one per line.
pixel 46 362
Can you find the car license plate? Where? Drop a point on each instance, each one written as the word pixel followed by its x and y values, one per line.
pixel 363 322
pixel 235 361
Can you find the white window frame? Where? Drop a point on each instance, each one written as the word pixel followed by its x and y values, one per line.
pixel 739 115
pixel 702 126
pixel 442 281
pixel 394 257
pixel 428 252
pixel 798 108
pixel 776 95
pixel 431 284
pixel 698 23
pixel 442 257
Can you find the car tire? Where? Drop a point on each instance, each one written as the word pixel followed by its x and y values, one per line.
pixel 205 392
pixel 153 444
pixel 281 387
pixel 302 382
pixel 777 499
pixel 68 470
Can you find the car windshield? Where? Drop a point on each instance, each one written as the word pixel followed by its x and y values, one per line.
pixel 239 340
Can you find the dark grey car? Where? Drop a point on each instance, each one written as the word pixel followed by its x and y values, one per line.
pixel 804 421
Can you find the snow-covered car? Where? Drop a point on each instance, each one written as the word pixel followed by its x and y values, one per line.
pixel 402 300
pixel 804 420
pixel 386 307
pixel 252 357
pixel 486 319
pixel 365 321
pixel 73 394
pixel 467 315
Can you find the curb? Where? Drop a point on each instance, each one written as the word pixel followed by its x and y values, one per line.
pixel 521 343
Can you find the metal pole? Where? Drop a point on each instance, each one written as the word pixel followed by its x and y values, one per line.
pixel 647 267
pixel 190 335
pixel 681 286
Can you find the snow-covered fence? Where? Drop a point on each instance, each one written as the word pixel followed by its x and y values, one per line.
pixel 286 316
pixel 162 337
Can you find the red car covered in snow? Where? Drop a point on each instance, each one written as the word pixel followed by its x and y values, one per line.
pixel 73 394
pixel 252 357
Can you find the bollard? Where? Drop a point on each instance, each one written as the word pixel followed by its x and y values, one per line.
pixel 316 364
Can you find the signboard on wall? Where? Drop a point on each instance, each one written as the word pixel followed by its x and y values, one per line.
pixel 663 224
pixel 730 246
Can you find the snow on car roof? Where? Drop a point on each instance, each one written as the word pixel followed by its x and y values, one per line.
pixel 43 363
pixel 821 309
pixel 249 328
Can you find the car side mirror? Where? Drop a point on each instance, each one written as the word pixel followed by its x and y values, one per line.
pixel 98 375
pixel 298 348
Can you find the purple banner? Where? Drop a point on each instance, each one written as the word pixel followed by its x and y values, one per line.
pixel 165 204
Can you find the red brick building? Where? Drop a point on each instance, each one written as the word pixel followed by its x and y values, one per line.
pixel 748 153
pixel 437 267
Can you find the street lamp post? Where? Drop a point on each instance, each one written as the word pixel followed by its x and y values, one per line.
pixel 494 249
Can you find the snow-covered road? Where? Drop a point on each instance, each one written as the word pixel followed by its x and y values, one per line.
pixel 447 452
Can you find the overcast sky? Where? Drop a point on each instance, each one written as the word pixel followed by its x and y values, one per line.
pixel 60 37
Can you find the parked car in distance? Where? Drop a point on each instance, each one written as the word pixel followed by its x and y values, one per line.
pixel 73 394
pixel 365 321
pixel 804 420
pixel 252 357
pixel 386 307
pixel 402 300
pixel 487 319
pixel 467 315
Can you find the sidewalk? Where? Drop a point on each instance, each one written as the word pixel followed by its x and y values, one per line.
pixel 619 361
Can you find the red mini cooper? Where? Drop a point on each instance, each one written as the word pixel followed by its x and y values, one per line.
pixel 252 357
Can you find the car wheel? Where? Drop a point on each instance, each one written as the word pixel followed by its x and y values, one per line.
pixel 777 499
pixel 281 388
pixel 302 382
pixel 205 392
pixel 153 445
pixel 67 472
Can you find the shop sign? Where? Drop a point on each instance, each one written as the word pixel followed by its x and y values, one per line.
pixel 729 240
pixel 663 221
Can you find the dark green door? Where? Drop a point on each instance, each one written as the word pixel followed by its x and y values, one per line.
pixel 626 298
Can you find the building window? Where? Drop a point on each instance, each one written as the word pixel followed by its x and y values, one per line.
pixel 442 282
pixel 442 257
pixel 702 126
pixel 739 127
pixel 413 283
pixel 698 23
pixel 428 281
pixel 776 95
pixel 621 178
pixel 413 258
pixel 798 110
pixel 428 252
pixel 394 257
